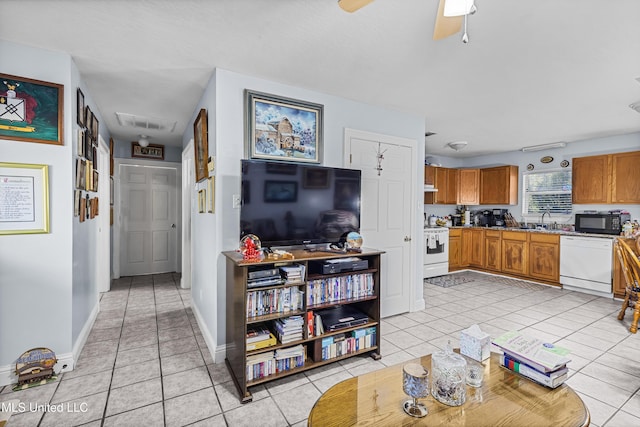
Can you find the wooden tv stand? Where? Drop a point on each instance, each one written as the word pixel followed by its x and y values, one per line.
pixel 238 318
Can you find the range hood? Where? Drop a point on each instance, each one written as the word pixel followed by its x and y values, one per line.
pixel 430 189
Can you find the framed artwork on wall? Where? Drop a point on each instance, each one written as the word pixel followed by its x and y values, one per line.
pixel 31 110
pixel 201 145
pixel 211 194
pixel 280 128
pixel 152 151
pixel 80 111
pixel 24 198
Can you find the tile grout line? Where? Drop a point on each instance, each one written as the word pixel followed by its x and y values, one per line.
pixel 113 368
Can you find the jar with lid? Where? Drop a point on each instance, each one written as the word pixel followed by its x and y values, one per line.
pixel 448 374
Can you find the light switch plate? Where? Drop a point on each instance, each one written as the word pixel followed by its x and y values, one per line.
pixel 236 201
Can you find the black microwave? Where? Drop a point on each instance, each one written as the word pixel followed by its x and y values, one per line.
pixel 601 223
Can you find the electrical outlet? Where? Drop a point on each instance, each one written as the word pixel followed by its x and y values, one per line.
pixel 236 201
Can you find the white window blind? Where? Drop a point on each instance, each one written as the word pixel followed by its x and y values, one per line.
pixel 547 191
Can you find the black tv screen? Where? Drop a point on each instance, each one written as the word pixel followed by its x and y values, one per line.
pixel 297 204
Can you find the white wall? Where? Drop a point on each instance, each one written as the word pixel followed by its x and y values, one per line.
pixel 47 289
pixel 225 97
pixel 36 270
pixel 591 147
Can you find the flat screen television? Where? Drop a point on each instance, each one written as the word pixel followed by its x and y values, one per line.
pixel 287 204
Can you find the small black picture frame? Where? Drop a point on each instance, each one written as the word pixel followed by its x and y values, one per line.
pixel 80 110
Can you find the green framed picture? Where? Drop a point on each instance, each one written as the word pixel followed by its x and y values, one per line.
pixel 31 110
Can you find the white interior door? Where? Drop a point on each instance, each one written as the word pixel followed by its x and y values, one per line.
pixel 188 197
pixel 103 255
pixel 148 209
pixel 386 210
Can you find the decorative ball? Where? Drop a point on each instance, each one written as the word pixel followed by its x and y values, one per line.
pixel 354 240
pixel 250 247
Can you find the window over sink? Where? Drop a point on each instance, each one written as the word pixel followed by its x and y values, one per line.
pixel 547 191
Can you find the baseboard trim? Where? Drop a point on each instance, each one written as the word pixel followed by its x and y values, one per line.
pixel 206 334
pixel 82 338
pixel 66 361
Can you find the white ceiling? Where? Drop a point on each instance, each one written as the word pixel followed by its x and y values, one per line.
pixel 533 72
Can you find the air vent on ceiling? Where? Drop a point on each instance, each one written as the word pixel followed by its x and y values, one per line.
pixel 141 122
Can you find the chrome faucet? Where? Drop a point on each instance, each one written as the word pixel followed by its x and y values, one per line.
pixel 546 212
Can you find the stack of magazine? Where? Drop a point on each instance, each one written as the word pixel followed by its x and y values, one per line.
pixel 542 362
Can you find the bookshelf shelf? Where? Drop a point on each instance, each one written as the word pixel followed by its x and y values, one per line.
pixel 237 321
pixel 340 302
pixel 273 316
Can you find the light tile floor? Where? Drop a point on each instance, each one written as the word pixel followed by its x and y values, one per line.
pixel 146 364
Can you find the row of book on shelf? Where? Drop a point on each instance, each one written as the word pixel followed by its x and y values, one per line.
pixel 278 300
pixel 347 343
pixel 286 274
pixel 333 289
pixel 542 362
pixel 272 362
pixel 283 359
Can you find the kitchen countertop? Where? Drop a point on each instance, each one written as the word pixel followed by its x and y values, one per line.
pixel 535 230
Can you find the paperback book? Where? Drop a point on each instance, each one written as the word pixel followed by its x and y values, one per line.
pixel 543 356
pixel 548 379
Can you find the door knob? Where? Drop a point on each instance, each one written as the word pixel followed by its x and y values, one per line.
pixel 407 238
pixel 173 226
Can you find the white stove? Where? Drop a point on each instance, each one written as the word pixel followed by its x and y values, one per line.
pixel 436 251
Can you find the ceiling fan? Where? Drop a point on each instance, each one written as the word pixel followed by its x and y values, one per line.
pixel 449 19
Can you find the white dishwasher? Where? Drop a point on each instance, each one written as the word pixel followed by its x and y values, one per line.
pixel 586 264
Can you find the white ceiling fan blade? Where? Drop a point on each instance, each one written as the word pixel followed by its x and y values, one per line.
pixel 353 5
pixel 445 26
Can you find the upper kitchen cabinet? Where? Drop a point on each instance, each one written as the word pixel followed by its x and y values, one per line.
pixel 625 177
pixel 608 178
pixel 590 176
pixel 499 185
pixel 445 180
pixel 469 187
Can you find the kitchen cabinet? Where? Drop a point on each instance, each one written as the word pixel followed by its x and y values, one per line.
pixel 465 247
pixel 524 254
pixel 625 177
pixel 455 244
pixel 515 254
pixel 606 179
pixel 469 187
pixel 499 185
pixel 451 197
pixel 445 180
pixel 492 250
pixel 476 256
pixel 544 256
pixel 590 180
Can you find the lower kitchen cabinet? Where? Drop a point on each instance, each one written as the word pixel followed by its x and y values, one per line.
pixel 524 254
pixel 492 250
pixel 544 256
pixel 476 257
pixel 455 244
pixel 515 253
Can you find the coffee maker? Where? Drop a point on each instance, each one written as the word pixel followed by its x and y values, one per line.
pixel 483 218
pixel 497 217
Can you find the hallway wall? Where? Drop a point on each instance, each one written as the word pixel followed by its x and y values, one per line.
pixel 48 296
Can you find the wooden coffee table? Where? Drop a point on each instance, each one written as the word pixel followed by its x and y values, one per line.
pixel 505 399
